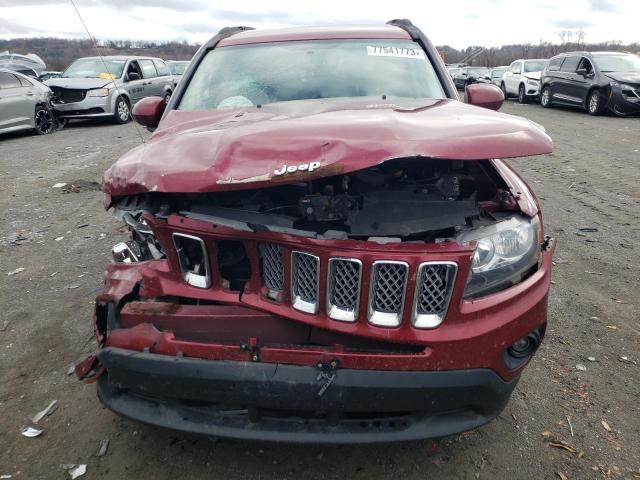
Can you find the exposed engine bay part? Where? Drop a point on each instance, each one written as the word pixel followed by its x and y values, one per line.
pixel 412 199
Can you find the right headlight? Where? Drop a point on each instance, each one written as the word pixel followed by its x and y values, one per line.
pixel 505 253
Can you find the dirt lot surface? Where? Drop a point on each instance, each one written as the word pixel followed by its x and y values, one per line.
pixel 582 388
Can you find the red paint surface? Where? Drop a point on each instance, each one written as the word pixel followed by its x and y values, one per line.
pixel 315 33
pixel 218 150
pixel 149 110
pixel 485 95
pixel 485 327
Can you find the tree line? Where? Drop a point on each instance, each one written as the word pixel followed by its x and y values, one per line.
pixel 504 55
pixel 58 53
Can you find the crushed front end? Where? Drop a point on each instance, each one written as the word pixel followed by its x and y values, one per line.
pixel 396 302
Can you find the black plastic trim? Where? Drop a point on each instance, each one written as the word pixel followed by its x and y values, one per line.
pixel 359 406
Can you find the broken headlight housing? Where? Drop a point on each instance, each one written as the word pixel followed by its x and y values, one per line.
pixel 142 244
pixel 505 254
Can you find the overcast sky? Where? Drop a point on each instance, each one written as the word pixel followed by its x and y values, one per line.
pixel 457 23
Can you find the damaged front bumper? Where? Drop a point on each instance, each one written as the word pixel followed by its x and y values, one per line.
pixel 267 401
pixel 222 363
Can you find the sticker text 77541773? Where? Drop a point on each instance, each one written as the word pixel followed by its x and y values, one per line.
pixel 391 51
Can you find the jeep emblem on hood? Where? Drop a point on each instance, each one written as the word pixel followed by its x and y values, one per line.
pixel 297 168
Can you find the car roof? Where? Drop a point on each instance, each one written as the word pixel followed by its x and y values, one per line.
pixel 315 33
pixel 6 70
pixel 593 53
pixel 120 57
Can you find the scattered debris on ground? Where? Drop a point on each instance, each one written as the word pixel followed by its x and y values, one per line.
pixel 52 407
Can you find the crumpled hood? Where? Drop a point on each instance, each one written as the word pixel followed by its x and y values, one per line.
pixel 218 150
pixel 625 77
pixel 79 83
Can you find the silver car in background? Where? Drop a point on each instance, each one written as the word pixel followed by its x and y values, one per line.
pixel 108 87
pixel 24 104
pixel 177 68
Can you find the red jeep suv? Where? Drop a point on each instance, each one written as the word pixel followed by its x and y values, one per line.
pixel 325 245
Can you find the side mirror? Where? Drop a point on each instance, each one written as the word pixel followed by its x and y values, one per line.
pixel 133 76
pixel 148 111
pixel 485 95
pixel 583 72
pixel 487 77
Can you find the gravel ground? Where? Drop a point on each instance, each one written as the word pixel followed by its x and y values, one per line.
pixel 590 193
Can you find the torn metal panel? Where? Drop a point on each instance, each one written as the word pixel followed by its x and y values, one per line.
pixel 221 150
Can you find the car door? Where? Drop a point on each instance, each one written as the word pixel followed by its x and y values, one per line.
pixel 150 77
pixel 583 80
pixel 551 75
pixel 165 79
pixel 135 87
pixel 512 80
pixel 16 102
pixel 567 88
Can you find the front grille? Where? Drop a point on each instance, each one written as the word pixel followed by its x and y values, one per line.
pixel 67 95
pixel 343 289
pixel 304 281
pixel 386 298
pixel 272 268
pixel 433 291
pixel 388 286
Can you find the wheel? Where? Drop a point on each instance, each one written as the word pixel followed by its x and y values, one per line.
pixel 123 112
pixel 522 96
pixel 167 97
pixel 545 97
pixel 594 103
pixel 503 87
pixel 43 121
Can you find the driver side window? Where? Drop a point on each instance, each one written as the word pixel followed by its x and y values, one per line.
pixel 135 69
pixel 586 65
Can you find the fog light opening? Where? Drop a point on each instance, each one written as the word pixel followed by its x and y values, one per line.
pixel 522 349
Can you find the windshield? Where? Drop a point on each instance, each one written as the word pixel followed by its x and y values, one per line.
pixel 248 75
pixel 617 63
pixel 177 68
pixel 95 68
pixel 478 72
pixel 534 65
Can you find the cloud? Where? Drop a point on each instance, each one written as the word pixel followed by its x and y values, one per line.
pixel 177 5
pixel 572 23
pixel 604 6
pixel 13 28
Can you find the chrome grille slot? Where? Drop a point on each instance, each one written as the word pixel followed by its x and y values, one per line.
pixel 343 289
pixel 387 292
pixel 272 268
pixel 305 269
pixel 433 292
pixel 193 258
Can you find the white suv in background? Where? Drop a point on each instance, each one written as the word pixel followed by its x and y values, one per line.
pixel 522 79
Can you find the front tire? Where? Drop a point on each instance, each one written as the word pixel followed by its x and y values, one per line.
pixel 545 97
pixel 43 121
pixel 503 87
pixel 167 97
pixel 122 111
pixel 522 96
pixel 594 103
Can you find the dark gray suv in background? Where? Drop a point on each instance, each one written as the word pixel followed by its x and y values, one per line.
pixel 108 86
pixel 597 82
